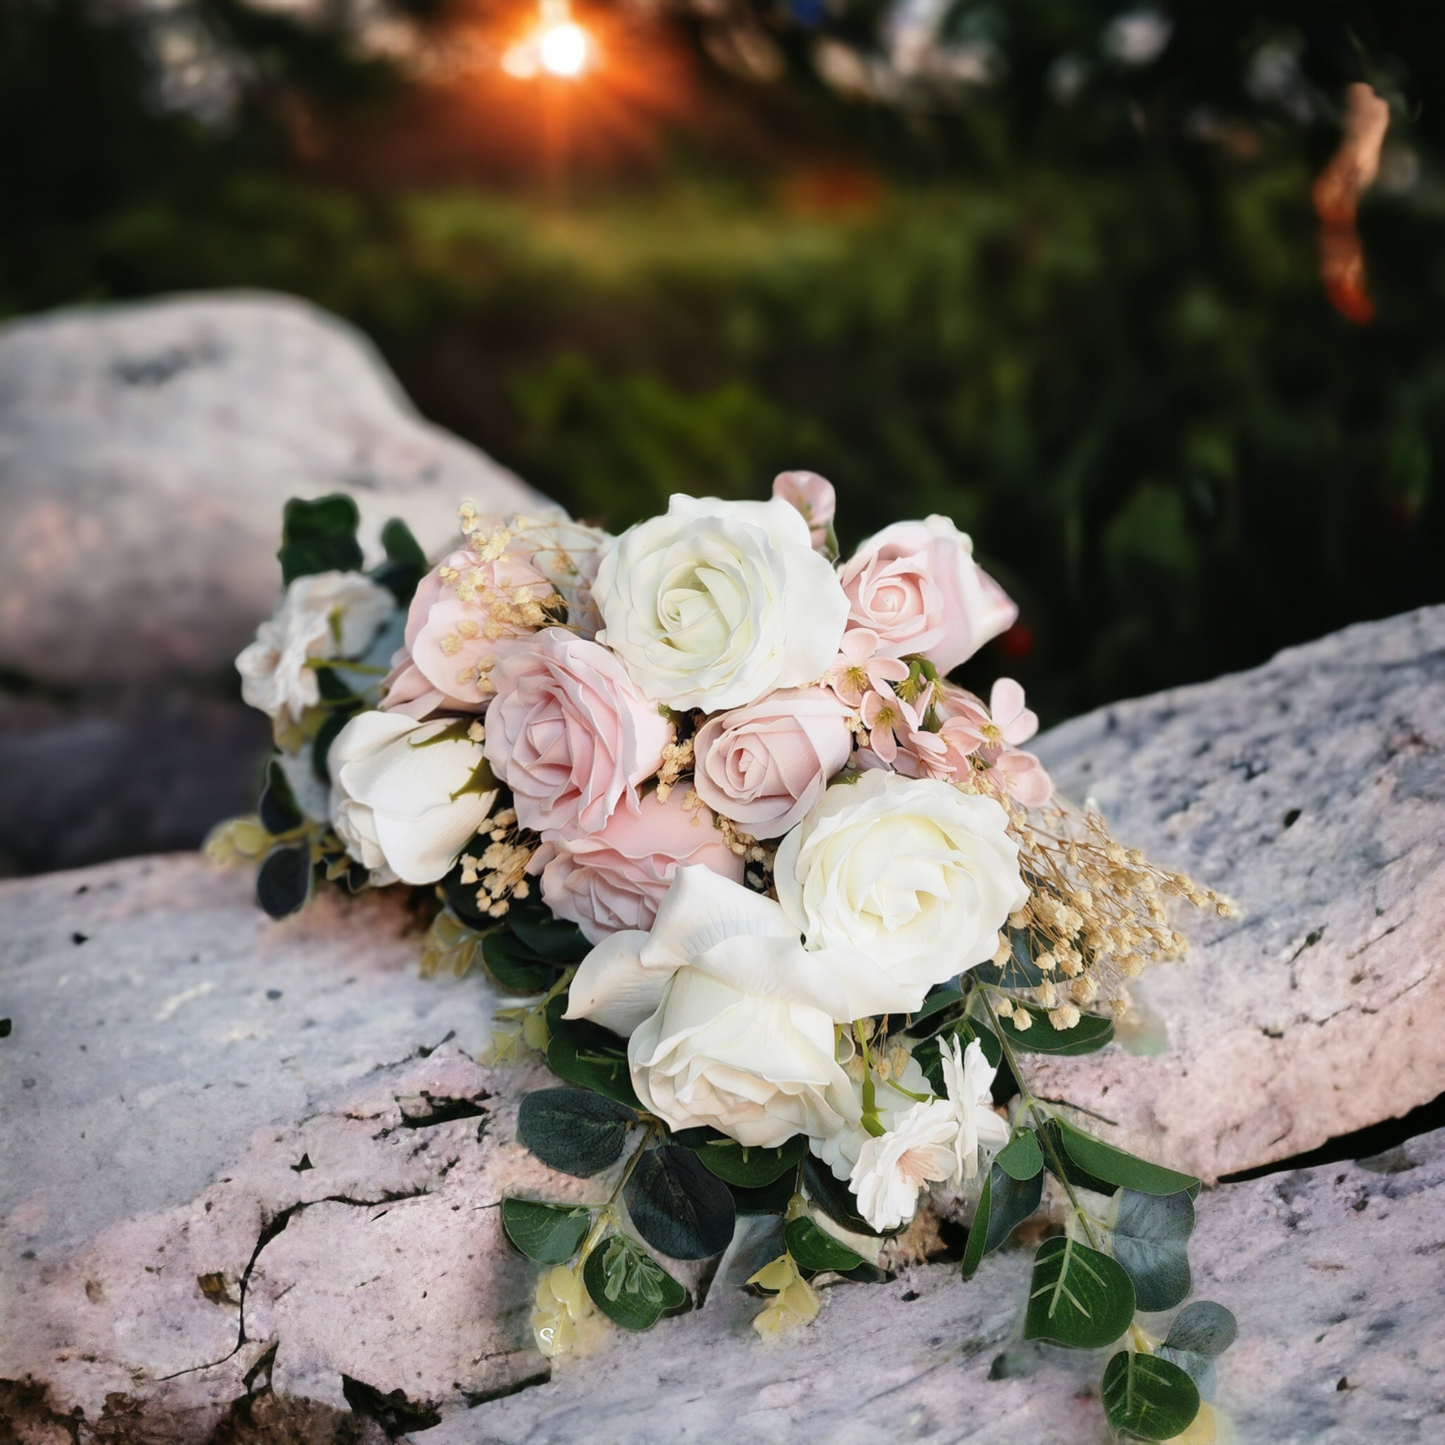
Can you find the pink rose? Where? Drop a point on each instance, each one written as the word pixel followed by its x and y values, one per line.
pixel 569 733
pixel 614 879
pixel 814 497
pixel 466 615
pixel 917 586
pixel 766 764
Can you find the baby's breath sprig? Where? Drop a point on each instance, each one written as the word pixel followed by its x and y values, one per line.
pixel 501 869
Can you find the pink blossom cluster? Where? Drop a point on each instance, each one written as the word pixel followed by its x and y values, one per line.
pixel 623 789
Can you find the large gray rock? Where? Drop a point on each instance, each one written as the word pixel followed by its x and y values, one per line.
pixel 145 454
pixel 251 1181
pixel 1312 790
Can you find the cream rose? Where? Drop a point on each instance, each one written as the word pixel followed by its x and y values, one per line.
pixel 766 764
pixel 916 585
pixel 910 872
pixel 407 797
pixel 730 1019
pixel 322 615
pixel 717 603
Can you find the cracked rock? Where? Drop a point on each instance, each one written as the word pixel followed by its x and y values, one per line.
pixel 1312 791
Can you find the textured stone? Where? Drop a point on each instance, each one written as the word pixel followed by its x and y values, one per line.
pixel 1312 791
pixel 145 454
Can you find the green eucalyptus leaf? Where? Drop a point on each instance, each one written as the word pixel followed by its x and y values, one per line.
pixel 405 563
pixel 1004 1205
pixel 326 734
pixel 1148 1397
pixel 815 1249
pixel 1202 1328
pixel 1150 1238
pixel 1087 1036
pixel 1021 1157
pixel 548 1233
pixel 278 809
pixel 749 1168
pixel 319 536
pixel 587 1054
pixel 1120 1168
pixel 1057 1161
pixel 772 1198
pixel 574 1131
pixel 1077 1296
pixel 679 1207
pixel 515 969
pixel 628 1285
pixel 283 882
pixel 927 1018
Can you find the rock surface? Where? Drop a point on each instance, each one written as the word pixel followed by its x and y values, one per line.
pixel 174 431
pixel 1312 791
pixel 254 1171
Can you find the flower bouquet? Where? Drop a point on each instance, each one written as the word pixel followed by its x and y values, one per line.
pixel 785 909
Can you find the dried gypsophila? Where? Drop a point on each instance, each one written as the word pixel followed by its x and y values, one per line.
pixel 1097 914
pixel 501 869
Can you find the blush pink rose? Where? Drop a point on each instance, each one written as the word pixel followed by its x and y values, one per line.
pixel 467 614
pixel 917 586
pixel 814 497
pixel 569 732
pixel 766 764
pixel 614 879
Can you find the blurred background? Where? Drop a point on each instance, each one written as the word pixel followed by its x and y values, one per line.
pixel 1151 300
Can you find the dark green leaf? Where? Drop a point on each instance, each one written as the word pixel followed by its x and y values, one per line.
pixel 572 1130
pixel 1148 1398
pixel 836 1200
pixel 514 968
pixel 1087 1036
pixel 278 809
pixel 927 1018
pixel 585 1053
pixel 865 1273
pixel 283 883
pixel 1021 1158
pixel 749 1168
pixel 319 536
pixel 1018 970
pixel 321 743
pixel 1203 1328
pixel 548 1233
pixel 815 1249
pixel 677 1206
pixel 333 687
pixel 1150 1238
pixel 1077 1296
pixel 400 546
pixel 1057 1161
pixel 546 937
pixel 628 1285
pixel 965 1031
pixel 1004 1205
pixel 1116 1166
pixel 772 1198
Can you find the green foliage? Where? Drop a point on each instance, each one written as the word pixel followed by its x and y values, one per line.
pixel 514 967
pixel 1201 1331
pixel 548 1233
pixel 1087 1036
pixel 283 881
pixel 1148 1398
pixel 277 808
pixel 628 1285
pixel 1120 1168
pixel 748 1168
pixel 405 563
pixel 1003 1205
pixel 1021 1158
pixel 772 1198
pixel 554 939
pixel 574 1131
pixel 319 536
pixel 1077 1296
pixel 677 1206
pixel 1149 1236
pixel 584 1053
pixel 813 1248
pixel 836 1199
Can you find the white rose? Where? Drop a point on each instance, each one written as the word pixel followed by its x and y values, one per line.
pixel 407 797
pixel 910 872
pixel 324 615
pixel 730 1018
pixel 717 603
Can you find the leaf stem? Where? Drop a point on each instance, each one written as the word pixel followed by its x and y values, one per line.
pixel 871 1121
